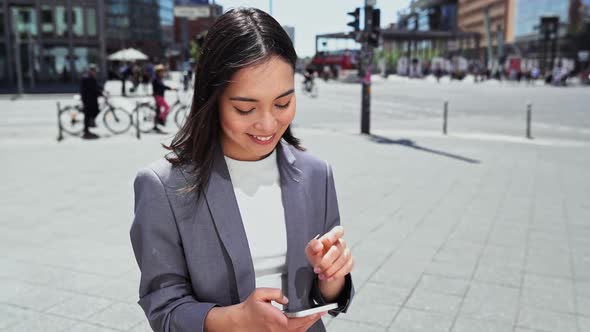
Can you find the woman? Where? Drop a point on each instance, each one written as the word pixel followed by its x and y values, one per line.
pixel 159 89
pixel 226 225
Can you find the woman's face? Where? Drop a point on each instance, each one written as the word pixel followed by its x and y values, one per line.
pixel 256 108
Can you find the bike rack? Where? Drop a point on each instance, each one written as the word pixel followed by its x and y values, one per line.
pixel 137 131
pixel 60 130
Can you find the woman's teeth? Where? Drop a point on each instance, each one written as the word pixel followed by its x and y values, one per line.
pixel 262 138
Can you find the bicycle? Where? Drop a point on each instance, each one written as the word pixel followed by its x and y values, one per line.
pixel 310 88
pixel 116 119
pixel 146 112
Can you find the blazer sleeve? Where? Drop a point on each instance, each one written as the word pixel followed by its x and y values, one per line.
pixel 332 220
pixel 165 292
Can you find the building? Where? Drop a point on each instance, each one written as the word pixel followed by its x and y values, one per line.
pixel 472 17
pixel 49 40
pixel 58 38
pixel 573 35
pixel 146 25
pixel 291 32
pixel 573 15
pixel 430 15
pixel 192 18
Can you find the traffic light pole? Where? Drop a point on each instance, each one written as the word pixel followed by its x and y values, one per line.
pixel 365 70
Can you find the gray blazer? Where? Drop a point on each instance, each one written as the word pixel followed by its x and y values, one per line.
pixel 194 255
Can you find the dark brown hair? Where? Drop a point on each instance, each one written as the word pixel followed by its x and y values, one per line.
pixel 239 38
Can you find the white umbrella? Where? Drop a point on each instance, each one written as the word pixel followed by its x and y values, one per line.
pixel 128 54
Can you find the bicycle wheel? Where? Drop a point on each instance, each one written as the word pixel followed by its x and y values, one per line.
pixel 117 120
pixel 72 120
pixel 180 116
pixel 146 114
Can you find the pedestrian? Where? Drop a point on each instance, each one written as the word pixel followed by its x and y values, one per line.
pixel 158 90
pixel 90 90
pixel 225 226
pixel 135 76
pixel 125 71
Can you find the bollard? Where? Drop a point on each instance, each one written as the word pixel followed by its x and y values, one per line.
pixel 445 116
pixel 60 135
pixel 529 109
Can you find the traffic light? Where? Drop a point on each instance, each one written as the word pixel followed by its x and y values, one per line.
pixel 375 33
pixel 355 24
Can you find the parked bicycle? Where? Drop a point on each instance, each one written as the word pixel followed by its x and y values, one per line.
pixel 116 119
pixel 146 112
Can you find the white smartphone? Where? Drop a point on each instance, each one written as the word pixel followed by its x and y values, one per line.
pixel 310 311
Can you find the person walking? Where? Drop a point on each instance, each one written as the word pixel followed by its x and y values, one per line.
pixel 238 221
pixel 90 90
pixel 158 90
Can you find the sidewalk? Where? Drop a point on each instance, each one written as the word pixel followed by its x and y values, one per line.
pixel 448 233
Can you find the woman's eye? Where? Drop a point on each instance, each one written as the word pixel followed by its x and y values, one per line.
pixel 284 105
pixel 242 112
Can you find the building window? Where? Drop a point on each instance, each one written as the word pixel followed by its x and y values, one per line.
pixel 77 21
pixel 2 24
pixel 91 21
pixel 25 19
pixel 47 20
pixel 56 63
pixel 61 21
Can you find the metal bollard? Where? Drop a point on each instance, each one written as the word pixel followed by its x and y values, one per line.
pixel 445 116
pixel 60 135
pixel 529 111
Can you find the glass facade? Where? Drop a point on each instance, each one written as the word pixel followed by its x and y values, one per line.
pixel 91 22
pixel 166 13
pixel 61 21
pixel 1 22
pixel 56 63
pixel 448 20
pixel 441 17
pixel 77 21
pixel 25 19
pixel 144 24
pixel 47 20
pixel 63 40
pixel 529 12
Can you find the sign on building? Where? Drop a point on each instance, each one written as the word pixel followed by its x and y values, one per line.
pixel 191 2
pixel 192 12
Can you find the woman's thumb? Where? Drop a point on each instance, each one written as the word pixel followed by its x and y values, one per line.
pixel 270 294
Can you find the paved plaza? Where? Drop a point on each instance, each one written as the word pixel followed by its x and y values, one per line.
pixel 479 230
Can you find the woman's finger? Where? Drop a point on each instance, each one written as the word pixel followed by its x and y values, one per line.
pixel 303 323
pixel 346 269
pixel 329 258
pixel 338 264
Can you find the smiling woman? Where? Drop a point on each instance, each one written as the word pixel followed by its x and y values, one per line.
pixel 256 109
pixel 225 225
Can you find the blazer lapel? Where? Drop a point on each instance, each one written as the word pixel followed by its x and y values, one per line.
pixel 224 209
pixel 293 196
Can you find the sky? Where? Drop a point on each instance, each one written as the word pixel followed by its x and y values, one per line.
pixel 312 17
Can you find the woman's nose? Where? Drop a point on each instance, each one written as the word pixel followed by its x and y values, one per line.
pixel 266 123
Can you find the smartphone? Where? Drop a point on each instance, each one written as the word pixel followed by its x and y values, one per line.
pixel 310 311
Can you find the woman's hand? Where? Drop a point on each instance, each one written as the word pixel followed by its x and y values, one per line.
pixel 329 255
pixel 258 314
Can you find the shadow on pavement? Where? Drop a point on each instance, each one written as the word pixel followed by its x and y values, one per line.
pixel 411 144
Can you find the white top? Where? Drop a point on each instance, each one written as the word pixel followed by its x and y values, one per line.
pixel 258 192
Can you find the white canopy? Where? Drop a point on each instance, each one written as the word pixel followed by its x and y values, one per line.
pixel 128 54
